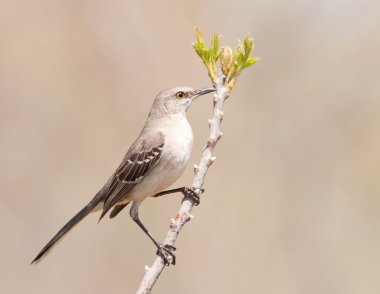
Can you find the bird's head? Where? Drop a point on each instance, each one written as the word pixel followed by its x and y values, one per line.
pixel 177 100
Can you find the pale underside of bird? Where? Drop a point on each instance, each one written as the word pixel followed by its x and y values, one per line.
pixel 154 162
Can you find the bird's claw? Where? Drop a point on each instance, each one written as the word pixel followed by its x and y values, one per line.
pixel 165 252
pixel 191 194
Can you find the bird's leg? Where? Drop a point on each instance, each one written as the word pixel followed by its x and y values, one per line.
pixel 163 250
pixel 186 191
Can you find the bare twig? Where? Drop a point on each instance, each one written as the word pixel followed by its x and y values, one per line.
pixel 183 215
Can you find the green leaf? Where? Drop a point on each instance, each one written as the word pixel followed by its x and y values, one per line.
pixel 250 62
pixel 215 47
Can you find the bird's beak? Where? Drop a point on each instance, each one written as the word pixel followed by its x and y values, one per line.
pixel 202 91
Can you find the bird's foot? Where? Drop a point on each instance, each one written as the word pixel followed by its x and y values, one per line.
pixel 165 252
pixel 190 193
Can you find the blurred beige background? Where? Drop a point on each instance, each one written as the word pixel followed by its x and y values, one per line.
pixel 292 202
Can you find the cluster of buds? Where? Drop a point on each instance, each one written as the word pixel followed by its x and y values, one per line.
pixel 231 62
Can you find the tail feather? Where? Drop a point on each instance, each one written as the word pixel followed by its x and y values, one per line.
pixel 66 228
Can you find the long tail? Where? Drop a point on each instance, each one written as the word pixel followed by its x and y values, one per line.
pixel 67 227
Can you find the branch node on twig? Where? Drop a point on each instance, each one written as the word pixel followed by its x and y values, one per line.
pixel 181 218
pixel 198 191
pixel 221 114
pixel 211 142
pixel 172 223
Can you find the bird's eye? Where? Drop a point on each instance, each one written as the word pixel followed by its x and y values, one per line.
pixel 180 95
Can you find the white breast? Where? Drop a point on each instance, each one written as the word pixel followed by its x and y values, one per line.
pixel 178 142
pixel 175 156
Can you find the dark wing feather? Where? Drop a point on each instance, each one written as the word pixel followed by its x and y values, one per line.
pixel 141 157
pixel 116 209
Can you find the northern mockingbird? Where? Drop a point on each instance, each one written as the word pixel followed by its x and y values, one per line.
pixel 154 161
